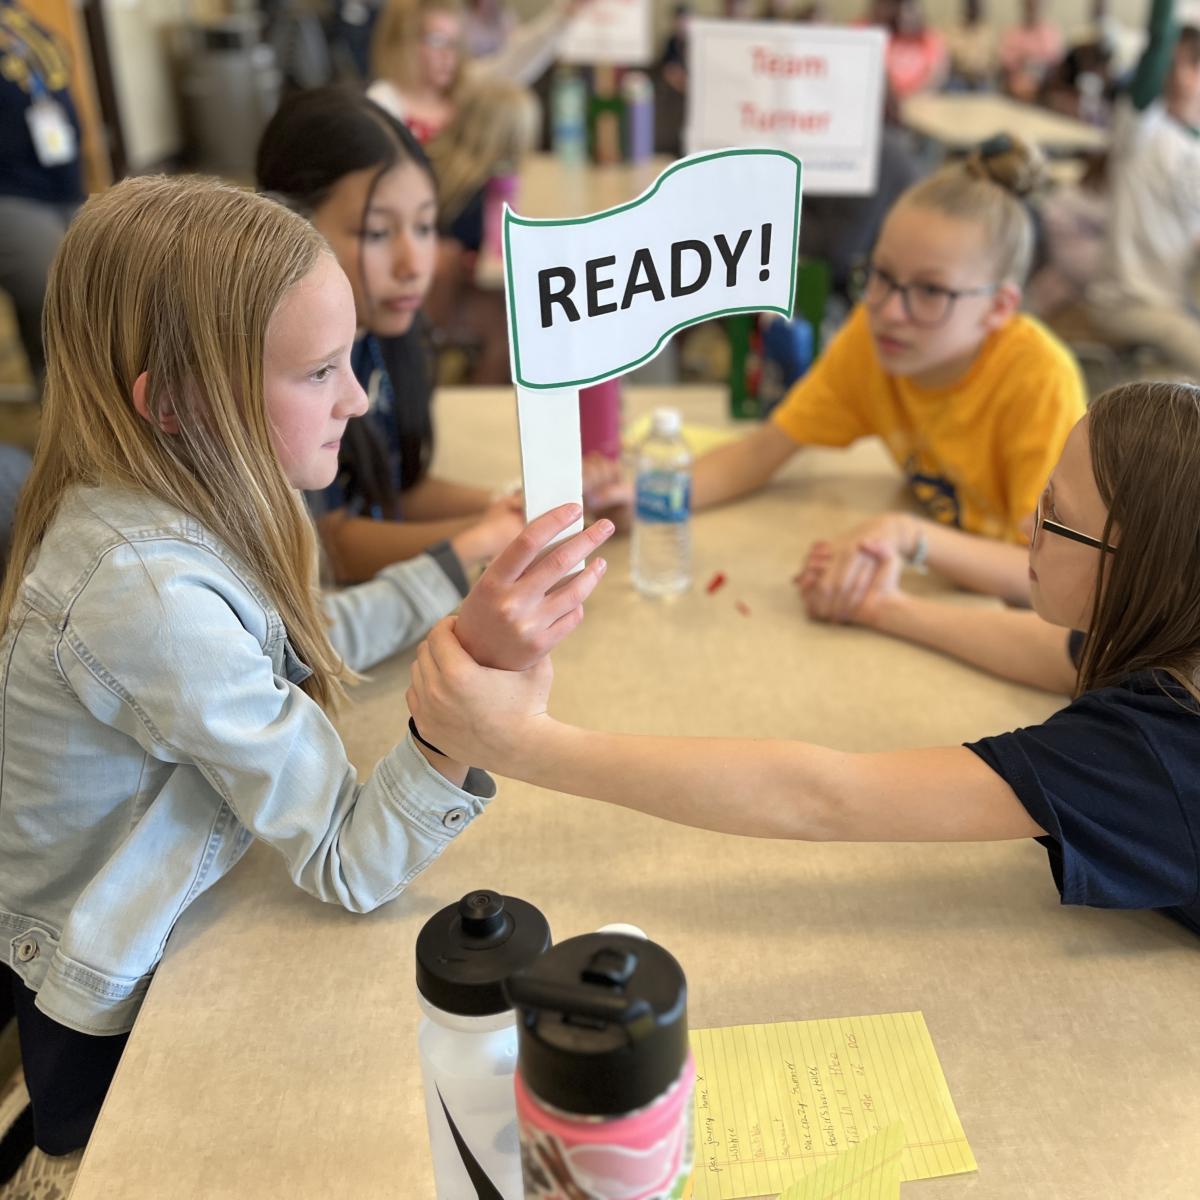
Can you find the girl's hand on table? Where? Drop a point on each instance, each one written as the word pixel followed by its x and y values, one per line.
pixel 499 523
pixel 839 572
pixel 522 606
pixel 607 490
pixel 475 714
pixel 883 565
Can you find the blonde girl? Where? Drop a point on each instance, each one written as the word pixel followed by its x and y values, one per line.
pixel 973 399
pixel 495 128
pixel 1108 785
pixel 419 67
pixel 167 662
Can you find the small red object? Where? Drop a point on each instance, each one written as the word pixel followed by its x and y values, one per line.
pixel 742 607
pixel 717 581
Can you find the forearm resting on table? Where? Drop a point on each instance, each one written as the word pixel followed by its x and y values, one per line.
pixel 976 563
pixel 359 547
pixel 778 789
pixel 1015 644
pixel 437 499
pixel 740 467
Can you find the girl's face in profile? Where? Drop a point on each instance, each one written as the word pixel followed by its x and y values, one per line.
pixel 1062 571
pixel 309 388
pixel 389 250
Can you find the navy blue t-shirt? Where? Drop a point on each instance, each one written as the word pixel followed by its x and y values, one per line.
pixel 32 63
pixel 1114 780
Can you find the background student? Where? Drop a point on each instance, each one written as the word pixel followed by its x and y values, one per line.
pixel 973 399
pixel 1143 291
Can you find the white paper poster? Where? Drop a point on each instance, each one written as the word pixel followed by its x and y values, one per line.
pixel 815 91
pixel 610 32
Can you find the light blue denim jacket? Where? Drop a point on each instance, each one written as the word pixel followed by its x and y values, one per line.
pixel 152 728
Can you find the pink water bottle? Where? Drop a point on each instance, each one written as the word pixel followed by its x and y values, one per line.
pixel 600 418
pixel 604 1072
pixel 500 190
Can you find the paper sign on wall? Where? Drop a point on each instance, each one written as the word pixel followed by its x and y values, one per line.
pixel 815 91
pixel 616 32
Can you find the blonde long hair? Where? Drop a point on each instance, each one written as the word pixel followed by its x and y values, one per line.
pixel 396 42
pixel 494 128
pixel 179 278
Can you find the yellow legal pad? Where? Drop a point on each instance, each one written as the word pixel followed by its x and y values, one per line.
pixel 775 1101
pixel 868 1171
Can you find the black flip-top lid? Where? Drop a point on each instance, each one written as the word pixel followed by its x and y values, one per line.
pixel 602 1024
pixel 467 950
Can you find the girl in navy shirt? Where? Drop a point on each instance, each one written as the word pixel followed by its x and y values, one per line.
pixel 1109 784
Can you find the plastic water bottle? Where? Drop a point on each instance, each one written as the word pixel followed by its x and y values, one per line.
pixel 568 107
pixel 468 1040
pixel 661 553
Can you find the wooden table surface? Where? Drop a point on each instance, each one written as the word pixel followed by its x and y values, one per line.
pixel 960 121
pixel 276 1056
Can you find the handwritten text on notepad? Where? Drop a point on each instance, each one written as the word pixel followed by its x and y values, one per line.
pixel 774 1098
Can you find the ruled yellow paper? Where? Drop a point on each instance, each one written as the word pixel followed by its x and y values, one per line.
pixel 868 1171
pixel 776 1101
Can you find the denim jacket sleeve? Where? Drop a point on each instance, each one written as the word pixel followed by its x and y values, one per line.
pixel 372 621
pixel 170 648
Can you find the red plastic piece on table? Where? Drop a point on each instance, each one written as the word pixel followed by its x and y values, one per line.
pixel 717 581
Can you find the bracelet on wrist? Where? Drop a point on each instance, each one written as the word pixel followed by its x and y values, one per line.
pixel 919 558
pixel 412 728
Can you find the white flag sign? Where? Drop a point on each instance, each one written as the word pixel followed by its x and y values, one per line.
pixel 591 298
pixel 815 91
pixel 594 297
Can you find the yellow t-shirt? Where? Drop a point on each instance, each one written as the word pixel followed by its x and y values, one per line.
pixel 977 454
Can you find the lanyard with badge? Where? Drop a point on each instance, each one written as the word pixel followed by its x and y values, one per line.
pixel 50 127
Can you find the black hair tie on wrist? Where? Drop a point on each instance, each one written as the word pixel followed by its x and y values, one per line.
pixel 412 728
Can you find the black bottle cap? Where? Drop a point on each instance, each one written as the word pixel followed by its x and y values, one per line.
pixel 467 950
pixel 601 1024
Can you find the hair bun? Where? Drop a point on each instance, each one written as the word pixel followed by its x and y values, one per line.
pixel 1005 160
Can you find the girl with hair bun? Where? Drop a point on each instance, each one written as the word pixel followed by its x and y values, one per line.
pixel 973 399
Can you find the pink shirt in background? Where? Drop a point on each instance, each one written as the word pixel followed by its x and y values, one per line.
pixel 916 62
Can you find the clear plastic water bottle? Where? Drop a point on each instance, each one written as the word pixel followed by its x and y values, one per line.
pixel 568 107
pixel 661 553
pixel 468 1041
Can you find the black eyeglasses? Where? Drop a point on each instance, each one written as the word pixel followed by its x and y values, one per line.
pixel 927 304
pixel 1040 522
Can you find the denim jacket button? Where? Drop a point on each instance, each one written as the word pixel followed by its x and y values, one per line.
pixel 454 818
pixel 27 951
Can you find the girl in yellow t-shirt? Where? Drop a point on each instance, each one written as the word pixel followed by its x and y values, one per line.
pixel 973 398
